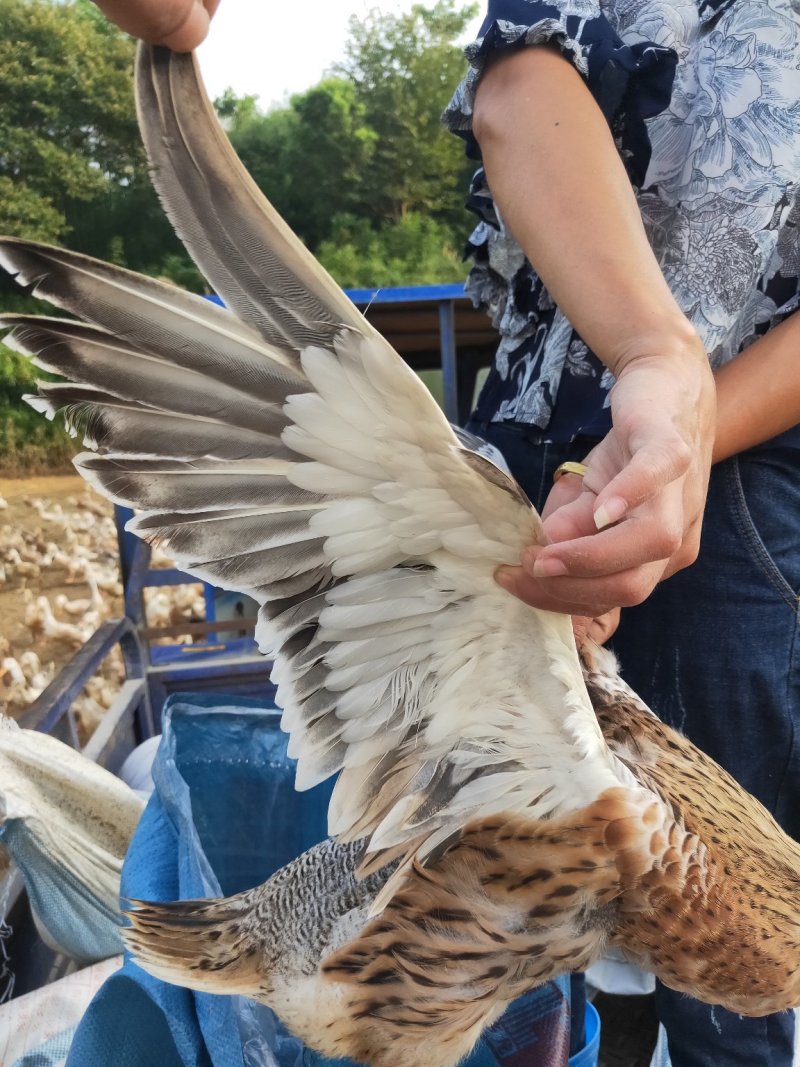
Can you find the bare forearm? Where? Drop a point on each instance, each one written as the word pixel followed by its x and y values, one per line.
pixel 758 392
pixel 561 188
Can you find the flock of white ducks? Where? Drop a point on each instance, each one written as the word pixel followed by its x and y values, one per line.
pixel 68 544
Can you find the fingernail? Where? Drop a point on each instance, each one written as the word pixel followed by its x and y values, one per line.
pixel 548 568
pixel 610 512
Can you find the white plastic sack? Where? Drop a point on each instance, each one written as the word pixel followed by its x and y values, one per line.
pixel 66 823
pixel 38 1028
pixel 613 973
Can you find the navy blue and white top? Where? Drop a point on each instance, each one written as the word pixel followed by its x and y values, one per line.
pixel 703 99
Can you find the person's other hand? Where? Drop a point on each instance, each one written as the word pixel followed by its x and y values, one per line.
pixel 599 630
pixel 179 24
pixel 635 517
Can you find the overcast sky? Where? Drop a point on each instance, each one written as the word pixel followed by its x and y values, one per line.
pixel 272 50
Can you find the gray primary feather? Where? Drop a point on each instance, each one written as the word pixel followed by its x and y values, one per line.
pixel 152 315
pixel 91 356
pixel 155 484
pixel 212 532
pixel 128 428
pixel 242 246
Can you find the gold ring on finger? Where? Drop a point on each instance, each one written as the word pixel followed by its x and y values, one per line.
pixel 569 468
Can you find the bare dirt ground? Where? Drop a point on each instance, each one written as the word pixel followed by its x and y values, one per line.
pixel 59 580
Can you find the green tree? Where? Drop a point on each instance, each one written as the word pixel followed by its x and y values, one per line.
pixel 232 110
pixel 72 170
pixel 127 226
pixel 355 156
pixel 416 249
pixel 27 441
pixel 359 165
pixel 67 123
pixel 309 158
pixel 404 69
pixel 264 143
pixel 331 152
pixel 72 167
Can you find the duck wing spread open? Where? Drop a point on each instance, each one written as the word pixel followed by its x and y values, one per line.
pixel 285 450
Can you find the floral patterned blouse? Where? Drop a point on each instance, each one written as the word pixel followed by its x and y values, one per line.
pixel 703 99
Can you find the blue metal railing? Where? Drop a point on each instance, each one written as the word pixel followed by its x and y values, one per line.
pixel 131 713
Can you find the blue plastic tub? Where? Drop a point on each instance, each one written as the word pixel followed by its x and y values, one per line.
pixel 588 1055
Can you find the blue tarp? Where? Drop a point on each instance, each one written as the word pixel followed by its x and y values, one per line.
pixel 223 817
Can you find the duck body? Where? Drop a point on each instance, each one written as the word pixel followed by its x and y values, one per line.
pixel 718 914
pixel 420 982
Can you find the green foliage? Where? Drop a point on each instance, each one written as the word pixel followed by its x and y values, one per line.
pixel 404 69
pixel 308 158
pixel 127 226
pixel 369 144
pixel 414 249
pixel 232 109
pixel 28 443
pixel 67 123
pixel 72 167
pixel 25 211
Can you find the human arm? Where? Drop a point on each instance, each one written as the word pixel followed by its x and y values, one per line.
pixel 179 24
pixel 758 392
pixel 563 192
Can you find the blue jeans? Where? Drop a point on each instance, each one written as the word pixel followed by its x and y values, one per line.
pixel 714 652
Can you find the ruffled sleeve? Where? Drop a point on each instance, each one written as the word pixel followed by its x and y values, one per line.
pixel 630 83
